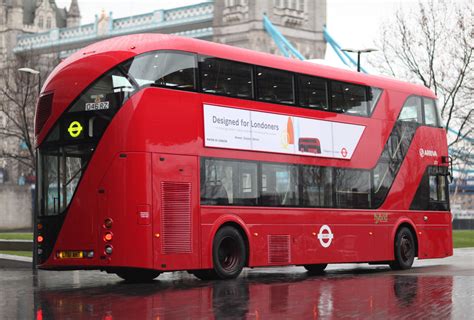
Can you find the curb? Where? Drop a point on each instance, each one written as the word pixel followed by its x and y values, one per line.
pixel 11 261
pixel 16 245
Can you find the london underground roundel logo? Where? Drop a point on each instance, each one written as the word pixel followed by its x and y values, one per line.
pixel 75 129
pixel 344 152
pixel 325 236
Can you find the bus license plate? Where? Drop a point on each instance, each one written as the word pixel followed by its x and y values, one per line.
pixel 71 255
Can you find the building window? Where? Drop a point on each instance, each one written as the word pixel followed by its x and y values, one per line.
pixel 48 23
pixel 40 22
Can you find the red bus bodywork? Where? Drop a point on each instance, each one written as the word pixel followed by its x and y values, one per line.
pixel 158 136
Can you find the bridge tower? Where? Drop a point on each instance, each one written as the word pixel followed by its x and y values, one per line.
pixel 240 23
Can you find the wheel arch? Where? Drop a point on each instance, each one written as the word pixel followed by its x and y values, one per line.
pixel 236 222
pixel 405 222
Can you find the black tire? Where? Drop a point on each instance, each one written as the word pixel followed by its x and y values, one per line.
pixel 138 275
pixel 315 268
pixel 228 253
pixel 404 249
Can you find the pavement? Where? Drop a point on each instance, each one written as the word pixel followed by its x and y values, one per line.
pixel 432 289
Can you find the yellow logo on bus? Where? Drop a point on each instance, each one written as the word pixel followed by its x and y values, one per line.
pixel 75 129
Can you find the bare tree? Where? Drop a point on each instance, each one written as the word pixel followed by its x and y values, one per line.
pixel 432 45
pixel 18 96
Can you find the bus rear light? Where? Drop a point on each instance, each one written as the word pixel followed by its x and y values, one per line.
pixel 108 236
pixel 40 251
pixel 108 249
pixel 39 226
pixel 108 223
pixel 40 239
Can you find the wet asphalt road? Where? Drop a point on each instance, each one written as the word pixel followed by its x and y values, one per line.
pixel 433 289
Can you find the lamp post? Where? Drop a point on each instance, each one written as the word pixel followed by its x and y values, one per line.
pixel 34 72
pixel 359 51
pixel 35 201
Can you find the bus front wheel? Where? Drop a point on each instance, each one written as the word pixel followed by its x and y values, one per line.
pixel 315 268
pixel 228 253
pixel 405 250
pixel 138 275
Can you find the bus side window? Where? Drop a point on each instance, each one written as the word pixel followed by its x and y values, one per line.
pixel 431 114
pixel 275 86
pixel 225 77
pixel 411 111
pixel 279 185
pixel 373 97
pixel 349 98
pixel 164 69
pixel 353 189
pixel 246 183
pixel 313 92
pixel 316 186
pixel 216 182
pixel 432 192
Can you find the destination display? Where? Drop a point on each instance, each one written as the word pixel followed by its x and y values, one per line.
pixel 233 128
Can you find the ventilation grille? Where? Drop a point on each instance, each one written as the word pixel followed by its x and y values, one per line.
pixel 176 217
pixel 279 249
pixel 43 111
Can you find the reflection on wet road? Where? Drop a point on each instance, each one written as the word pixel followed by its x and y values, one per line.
pixel 436 289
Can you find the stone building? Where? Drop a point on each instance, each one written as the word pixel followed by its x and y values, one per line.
pixel 39 29
pixel 240 23
pixel 23 18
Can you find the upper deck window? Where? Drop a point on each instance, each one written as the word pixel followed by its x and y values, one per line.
pixel 349 98
pixel 275 86
pixel 411 111
pixel 431 114
pixel 313 92
pixel 164 69
pixel 225 77
pixel 107 93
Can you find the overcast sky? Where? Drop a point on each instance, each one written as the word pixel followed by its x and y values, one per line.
pixel 352 23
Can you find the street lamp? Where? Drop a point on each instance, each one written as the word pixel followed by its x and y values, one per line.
pixel 34 72
pixel 35 203
pixel 359 51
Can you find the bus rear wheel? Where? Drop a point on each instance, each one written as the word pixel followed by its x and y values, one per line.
pixel 315 268
pixel 138 275
pixel 228 253
pixel 405 250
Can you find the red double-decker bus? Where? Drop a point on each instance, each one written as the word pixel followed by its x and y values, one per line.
pixel 158 153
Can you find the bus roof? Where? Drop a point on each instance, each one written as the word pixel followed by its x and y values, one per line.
pixel 132 45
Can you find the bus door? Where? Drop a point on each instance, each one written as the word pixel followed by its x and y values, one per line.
pixel 175 212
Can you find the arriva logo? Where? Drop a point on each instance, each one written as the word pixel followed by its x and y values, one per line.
pixel 427 153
